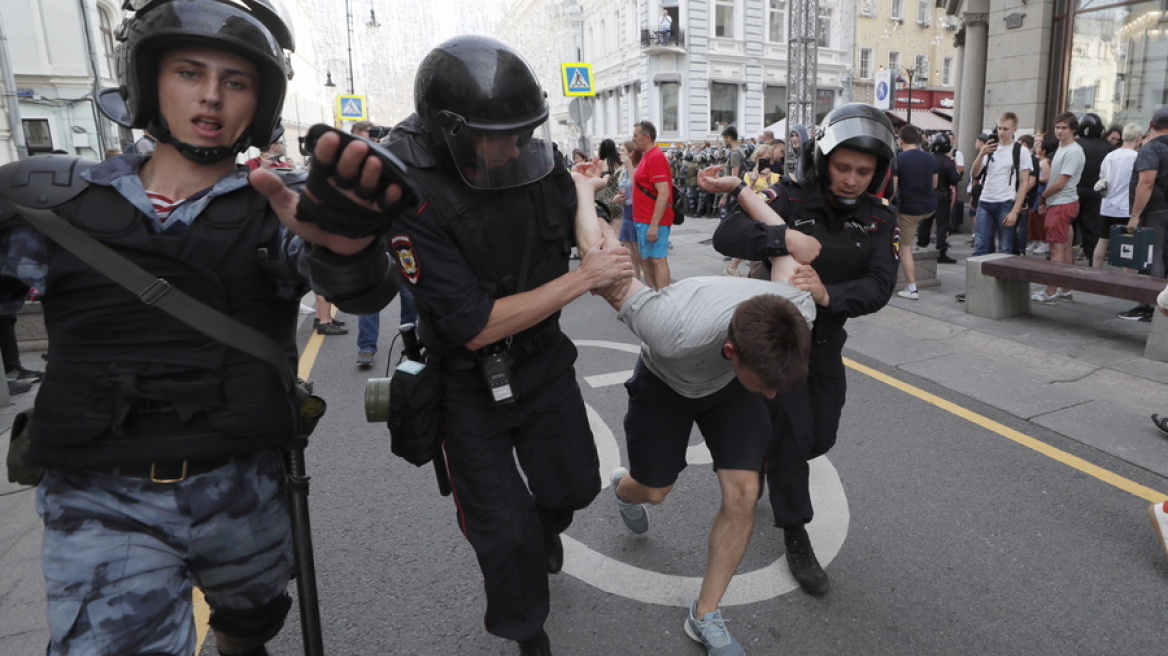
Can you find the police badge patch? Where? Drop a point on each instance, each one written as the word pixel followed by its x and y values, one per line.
pixel 403 250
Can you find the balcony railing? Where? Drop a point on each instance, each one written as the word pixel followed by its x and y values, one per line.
pixel 655 38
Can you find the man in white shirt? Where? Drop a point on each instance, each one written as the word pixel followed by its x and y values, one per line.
pixel 1006 167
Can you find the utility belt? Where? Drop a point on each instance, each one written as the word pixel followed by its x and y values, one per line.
pixel 523 347
pixel 175 471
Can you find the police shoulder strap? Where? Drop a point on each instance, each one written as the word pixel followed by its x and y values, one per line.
pixel 159 293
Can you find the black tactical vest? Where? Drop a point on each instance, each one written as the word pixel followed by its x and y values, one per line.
pixel 126 382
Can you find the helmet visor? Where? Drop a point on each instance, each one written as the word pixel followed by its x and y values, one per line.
pixel 861 129
pixel 500 159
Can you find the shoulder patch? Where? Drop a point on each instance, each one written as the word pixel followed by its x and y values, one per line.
pixel 896 243
pixel 407 260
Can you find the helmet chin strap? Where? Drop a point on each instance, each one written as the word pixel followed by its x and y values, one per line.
pixel 198 154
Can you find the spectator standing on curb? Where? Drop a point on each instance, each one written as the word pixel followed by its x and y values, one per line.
pixel 1115 184
pixel 916 184
pixel 1061 200
pixel 652 211
pixel 1149 206
pixel 1006 165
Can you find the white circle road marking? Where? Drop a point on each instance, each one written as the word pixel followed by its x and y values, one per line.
pixel 827 532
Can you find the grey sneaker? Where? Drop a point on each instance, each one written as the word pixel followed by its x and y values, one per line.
pixel 1064 296
pixel 711 632
pixel 635 515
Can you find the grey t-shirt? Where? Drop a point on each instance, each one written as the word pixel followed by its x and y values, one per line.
pixel 682 327
pixel 1068 160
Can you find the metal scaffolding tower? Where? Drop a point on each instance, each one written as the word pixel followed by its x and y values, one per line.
pixel 802 64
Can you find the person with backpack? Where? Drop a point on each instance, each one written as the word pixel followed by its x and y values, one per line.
pixel 1149 208
pixel 1004 167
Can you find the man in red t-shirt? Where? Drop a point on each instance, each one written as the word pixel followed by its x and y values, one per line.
pixel 652 212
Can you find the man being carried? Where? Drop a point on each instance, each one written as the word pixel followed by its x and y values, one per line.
pixel 712 348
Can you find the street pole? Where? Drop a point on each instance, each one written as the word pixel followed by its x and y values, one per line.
pixel 11 100
pixel 908 119
pixel 349 34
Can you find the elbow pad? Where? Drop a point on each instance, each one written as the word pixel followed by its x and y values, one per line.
pixel 357 284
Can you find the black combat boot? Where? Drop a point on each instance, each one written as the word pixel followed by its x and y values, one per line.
pixel 803 564
pixel 540 645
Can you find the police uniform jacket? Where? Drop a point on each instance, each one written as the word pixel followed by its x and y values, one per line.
pixel 128 384
pixel 463 248
pixel 857 264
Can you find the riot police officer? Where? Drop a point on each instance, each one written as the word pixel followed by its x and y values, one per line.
pixel 161 444
pixel 854 275
pixel 486 256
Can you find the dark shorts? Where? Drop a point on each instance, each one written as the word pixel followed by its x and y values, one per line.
pixel 1109 221
pixel 733 421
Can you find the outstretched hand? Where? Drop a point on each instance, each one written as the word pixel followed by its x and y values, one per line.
pixel 590 172
pixel 712 180
pixel 357 172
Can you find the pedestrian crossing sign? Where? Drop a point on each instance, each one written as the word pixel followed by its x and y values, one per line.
pixel 351 108
pixel 577 79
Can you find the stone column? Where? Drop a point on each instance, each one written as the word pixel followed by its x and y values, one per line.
pixel 973 74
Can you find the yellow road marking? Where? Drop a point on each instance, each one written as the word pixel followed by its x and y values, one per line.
pixel 202 610
pixel 1109 477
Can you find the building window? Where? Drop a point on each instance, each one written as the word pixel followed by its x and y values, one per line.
pixel 897 12
pixel 921 69
pixel 824 27
pixel 866 63
pixel 634 104
pixel 107 40
pixel 923 12
pixel 894 62
pixel 776 20
pixel 824 103
pixel 868 8
pixel 724 18
pixel 723 106
pixel 669 96
pixel 947 72
pixel 774 105
pixel 37 136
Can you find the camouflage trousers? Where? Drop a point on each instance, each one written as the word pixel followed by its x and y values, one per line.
pixel 121 555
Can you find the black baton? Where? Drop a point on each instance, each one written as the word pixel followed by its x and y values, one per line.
pixel 302 548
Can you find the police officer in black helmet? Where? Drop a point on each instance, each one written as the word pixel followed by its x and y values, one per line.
pixel 161 445
pixel 1095 148
pixel 854 275
pixel 486 256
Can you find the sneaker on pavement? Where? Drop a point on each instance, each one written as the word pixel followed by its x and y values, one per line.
pixel 943 258
pixel 731 272
pixel 1064 296
pixel 18 387
pixel 711 631
pixel 635 515
pixel 1159 516
pixel 960 297
pixel 1137 313
pixel 1042 249
pixel 1041 297
pixel 803 564
pixel 911 295
pixel 364 359
pixel 1161 423
pixel 540 645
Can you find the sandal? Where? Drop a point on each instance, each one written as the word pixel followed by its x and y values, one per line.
pixel 331 328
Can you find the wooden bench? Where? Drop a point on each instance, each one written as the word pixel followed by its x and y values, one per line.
pixel 998 286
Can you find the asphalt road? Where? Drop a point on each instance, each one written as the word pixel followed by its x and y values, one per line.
pixel 951 538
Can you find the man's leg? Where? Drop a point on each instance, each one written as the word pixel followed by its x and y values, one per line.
pixel 999 211
pixel 729 535
pixel 984 228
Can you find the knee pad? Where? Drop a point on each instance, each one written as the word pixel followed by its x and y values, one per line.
pixel 245 631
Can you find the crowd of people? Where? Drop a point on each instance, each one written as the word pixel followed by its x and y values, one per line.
pixel 159 448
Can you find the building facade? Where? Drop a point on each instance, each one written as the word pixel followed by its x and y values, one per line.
pixel 1039 58
pixel 915 41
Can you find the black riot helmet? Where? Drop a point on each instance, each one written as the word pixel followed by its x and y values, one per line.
pixel 940 143
pixel 1090 126
pixel 481 104
pixel 858 127
pixel 256 30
